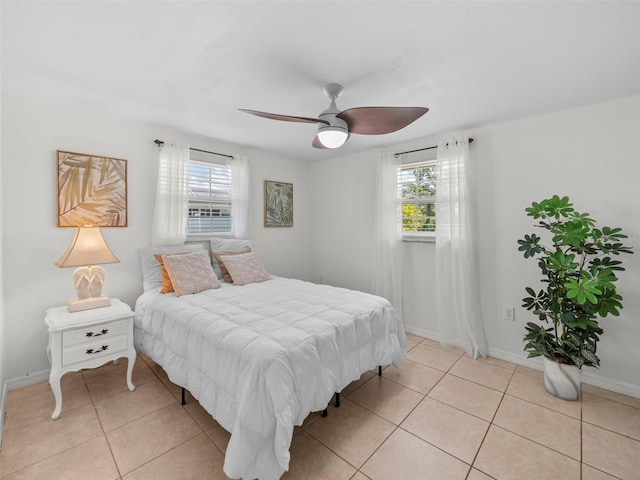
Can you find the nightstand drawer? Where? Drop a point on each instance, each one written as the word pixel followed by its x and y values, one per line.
pixel 98 332
pixel 99 348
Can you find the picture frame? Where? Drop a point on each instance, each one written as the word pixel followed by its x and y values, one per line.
pixel 278 204
pixel 91 190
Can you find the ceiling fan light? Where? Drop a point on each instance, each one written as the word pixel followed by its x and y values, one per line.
pixel 332 137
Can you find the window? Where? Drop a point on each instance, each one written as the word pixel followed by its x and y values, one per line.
pixel 209 187
pixel 417 191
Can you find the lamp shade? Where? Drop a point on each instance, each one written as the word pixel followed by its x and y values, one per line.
pixel 87 248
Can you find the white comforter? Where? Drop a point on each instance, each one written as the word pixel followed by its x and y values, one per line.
pixel 260 357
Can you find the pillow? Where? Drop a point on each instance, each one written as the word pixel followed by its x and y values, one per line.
pixel 223 269
pixel 225 244
pixel 190 272
pixel 167 286
pixel 151 269
pixel 245 268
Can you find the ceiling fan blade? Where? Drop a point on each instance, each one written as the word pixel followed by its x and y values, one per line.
pixel 380 120
pixel 284 118
pixel 317 143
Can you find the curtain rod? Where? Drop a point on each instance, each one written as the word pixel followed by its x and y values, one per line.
pixel 421 149
pixel 160 143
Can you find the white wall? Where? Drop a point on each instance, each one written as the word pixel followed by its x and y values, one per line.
pixel 341 230
pixel 31 133
pixel 283 250
pixel 342 245
pixel 591 154
pixel 3 377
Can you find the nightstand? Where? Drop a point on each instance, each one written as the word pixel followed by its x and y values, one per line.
pixel 88 339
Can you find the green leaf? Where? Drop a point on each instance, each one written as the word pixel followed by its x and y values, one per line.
pixel 589 357
pixel 577 360
pixel 611 234
pixel 583 290
pixel 607 262
pixel 568 318
pixel 616 248
pixel 604 278
pixel 557 207
pixel 572 233
pixel 535 211
pixel 583 218
pixel 562 263
pixel 530 245
pixel 583 323
pixel 610 304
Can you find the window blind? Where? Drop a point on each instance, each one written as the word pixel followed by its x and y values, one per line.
pixel 417 184
pixel 209 194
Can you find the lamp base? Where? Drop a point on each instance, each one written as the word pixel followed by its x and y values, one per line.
pixel 77 304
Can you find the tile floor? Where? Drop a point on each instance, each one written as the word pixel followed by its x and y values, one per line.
pixel 442 416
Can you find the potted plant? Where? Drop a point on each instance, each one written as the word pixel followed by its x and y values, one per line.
pixel 579 276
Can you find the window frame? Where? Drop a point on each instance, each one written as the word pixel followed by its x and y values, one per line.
pixel 412 236
pixel 190 201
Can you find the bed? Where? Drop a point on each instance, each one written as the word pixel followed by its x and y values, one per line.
pixel 261 357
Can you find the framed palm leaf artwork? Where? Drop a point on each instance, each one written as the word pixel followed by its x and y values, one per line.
pixel 278 204
pixel 92 190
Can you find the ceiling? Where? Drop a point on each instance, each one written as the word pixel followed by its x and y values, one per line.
pixel 191 65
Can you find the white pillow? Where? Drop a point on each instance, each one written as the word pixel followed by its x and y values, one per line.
pixel 245 268
pixel 190 272
pixel 151 269
pixel 226 244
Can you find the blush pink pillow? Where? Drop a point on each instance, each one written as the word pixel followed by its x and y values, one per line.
pixel 223 269
pixel 245 268
pixel 191 272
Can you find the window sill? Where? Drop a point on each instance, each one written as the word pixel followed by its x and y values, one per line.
pixel 429 238
pixel 207 236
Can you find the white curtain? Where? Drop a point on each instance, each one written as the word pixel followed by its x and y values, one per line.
pixel 239 167
pixel 458 290
pixel 171 210
pixel 387 277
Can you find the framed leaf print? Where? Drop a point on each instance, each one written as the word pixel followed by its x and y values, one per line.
pixel 278 204
pixel 92 190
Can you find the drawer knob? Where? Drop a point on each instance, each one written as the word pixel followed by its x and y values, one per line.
pixel 104 331
pixel 91 351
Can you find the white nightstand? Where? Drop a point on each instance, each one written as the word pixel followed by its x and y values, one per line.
pixel 88 339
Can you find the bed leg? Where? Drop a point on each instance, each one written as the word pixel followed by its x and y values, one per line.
pixel 379 370
pixel 337 399
pixel 324 413
pixel 183 399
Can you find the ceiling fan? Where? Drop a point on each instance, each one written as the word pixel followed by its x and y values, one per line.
pixel 336 126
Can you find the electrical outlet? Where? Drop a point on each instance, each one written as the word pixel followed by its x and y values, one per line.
pixel 508 313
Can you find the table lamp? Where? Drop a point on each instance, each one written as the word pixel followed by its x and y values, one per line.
pixel 87 250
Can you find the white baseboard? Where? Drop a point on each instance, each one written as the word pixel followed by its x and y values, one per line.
pixel 589 376
pixel 518 359
pixel 3 407
pixel 612 385
pixel 29 379
pixel 422 333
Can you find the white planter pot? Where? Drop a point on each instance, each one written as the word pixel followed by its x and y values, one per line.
pixel 562 380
